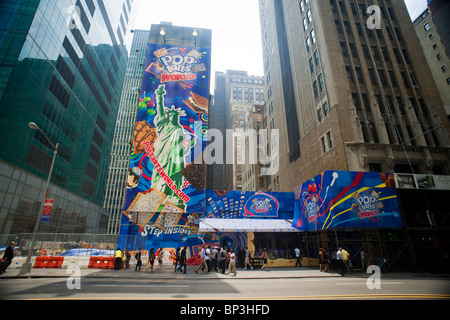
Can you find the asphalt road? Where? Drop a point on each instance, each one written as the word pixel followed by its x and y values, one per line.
pixel 345 288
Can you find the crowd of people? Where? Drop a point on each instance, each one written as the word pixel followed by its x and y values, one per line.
pixel 223 260
pixel 226 260
pixel 218 259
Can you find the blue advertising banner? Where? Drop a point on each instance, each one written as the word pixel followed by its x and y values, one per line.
pixel 341 199
pixel 249 204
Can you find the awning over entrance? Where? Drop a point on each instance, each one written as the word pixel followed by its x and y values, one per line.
pixel 246 225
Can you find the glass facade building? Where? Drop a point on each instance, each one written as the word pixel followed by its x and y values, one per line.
pixel 125 126
pixel 62 65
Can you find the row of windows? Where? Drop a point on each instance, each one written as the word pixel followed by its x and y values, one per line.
pixel 247 80
pixel 438 56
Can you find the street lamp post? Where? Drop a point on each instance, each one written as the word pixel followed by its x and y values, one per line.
pixel 26 267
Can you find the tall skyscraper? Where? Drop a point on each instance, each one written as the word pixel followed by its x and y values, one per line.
pixel 235 94
pixel 62 67
pixel 435 52
pixel 125 126
pixel 349 90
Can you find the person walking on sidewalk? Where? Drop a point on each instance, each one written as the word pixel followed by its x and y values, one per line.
pixel 298 257
pixel 265 258
pixel 208 258
pixel 7 258
pixel 340 261
pixel 321 259
pixel 151 260
pixel 203 263
pixel 248 255
pixel 183 260
pixel 138 258
pixel 118 259
pixel 159 257
pixel 232 266
pixel 222 259
pixel 345 258
pixel 177 260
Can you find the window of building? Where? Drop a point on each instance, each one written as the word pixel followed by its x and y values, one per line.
pixel 426 26
pixel 316 57
pixel 324 146
pixel 329 140
pixel 325 109
pixel 316 89
pixel 311 64
pixel 321 83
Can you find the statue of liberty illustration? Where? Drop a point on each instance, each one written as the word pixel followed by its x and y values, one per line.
pixel 170 148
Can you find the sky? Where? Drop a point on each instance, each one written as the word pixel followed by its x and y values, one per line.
pixel 236 37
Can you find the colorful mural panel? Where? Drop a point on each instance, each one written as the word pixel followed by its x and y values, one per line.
pixel 171 131
pixel 341 199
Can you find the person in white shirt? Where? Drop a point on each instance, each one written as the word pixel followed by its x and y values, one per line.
pixel 232 266
pixel 208 258
pixel 202 256
pixel 340 260
pixel 297 255
pixel 363 260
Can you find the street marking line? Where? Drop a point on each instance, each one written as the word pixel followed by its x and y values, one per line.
pixel 364 283
pixel 362 296
pixel 139 285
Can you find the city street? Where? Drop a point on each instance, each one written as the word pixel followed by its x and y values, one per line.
pixel 288 284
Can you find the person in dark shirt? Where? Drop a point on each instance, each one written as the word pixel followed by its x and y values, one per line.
pixel 183 259
pixel 7 258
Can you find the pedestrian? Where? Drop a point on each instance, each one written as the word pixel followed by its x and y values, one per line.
pixel 363 260
pixel 327 260
pixel 321 259
pixel 203 258
pixel 241 258
pixel 297 256
pixel 138 258
pixel 7 257
pixel 346 258
pixel 265 258
pixel 151 260
pixel 214 255
pixel 340 261
pixel 223 259
pixel 118 259
pixel 127 259
pixel 232 265
pixel 248 255
pixel 124 259
pixel 177 260
pixel 208 257
pixel 159 257
pixel 183 259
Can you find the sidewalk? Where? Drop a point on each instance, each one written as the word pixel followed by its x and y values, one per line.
pixel 168 273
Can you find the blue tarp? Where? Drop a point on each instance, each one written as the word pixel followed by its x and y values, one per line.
pixel 87 253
